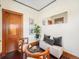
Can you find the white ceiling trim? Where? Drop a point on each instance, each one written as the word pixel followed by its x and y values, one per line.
pixel 33 7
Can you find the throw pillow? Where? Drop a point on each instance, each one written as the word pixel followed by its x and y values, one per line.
pixel 58 41
pixel 46 37
pixel 49 41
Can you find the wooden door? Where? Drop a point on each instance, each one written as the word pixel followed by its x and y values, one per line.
pixel 12 30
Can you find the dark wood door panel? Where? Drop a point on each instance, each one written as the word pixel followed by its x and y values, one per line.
pixel 12 30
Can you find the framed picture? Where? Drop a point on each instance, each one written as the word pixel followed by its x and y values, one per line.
pixel 30 31
pixel 31 24
pixel 49 22
pixel 43 22
pixel 31 21
pixel 58 19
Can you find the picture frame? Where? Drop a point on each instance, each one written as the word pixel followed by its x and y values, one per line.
pixel 31 24
pixel 49 22
pixel 43 22
pixel 31 21
pixel 58 19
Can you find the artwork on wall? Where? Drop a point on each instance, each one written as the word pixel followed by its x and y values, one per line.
pixel 58 19
pixel 49 22
pixel 43 22
pixel 31 24
pixel 31 21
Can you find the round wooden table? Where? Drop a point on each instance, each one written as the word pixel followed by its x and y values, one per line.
pixel 37 55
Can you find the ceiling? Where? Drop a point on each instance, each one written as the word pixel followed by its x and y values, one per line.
pixel 37 5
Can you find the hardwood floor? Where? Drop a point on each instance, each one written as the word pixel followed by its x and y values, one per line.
pixel 13 55
pixel 18 55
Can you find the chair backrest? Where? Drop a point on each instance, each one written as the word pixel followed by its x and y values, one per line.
pixel 38 55
pixel 21 42
pixel 20 45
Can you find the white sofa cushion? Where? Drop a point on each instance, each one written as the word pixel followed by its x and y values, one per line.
pixel 56 51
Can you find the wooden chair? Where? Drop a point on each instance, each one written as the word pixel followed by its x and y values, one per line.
pixel 39 55
pixel 20 45
pixel 21 42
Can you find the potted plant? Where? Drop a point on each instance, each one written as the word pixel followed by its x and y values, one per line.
pixel 37 31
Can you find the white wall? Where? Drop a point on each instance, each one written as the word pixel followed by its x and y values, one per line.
pixel 27 12
pixel 69 30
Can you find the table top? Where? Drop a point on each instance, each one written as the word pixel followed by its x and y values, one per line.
pixel 35 47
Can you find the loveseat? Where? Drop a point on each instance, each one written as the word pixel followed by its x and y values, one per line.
pixel 55 50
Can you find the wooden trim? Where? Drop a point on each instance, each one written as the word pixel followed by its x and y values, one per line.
pixel 47 5
pixel 0 53
pixel 9 11
pixel 26 5
pixel 35 8
pixel 68 55
pixel 3 36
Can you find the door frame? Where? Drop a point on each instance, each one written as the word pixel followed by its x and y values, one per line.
pixel 4 29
